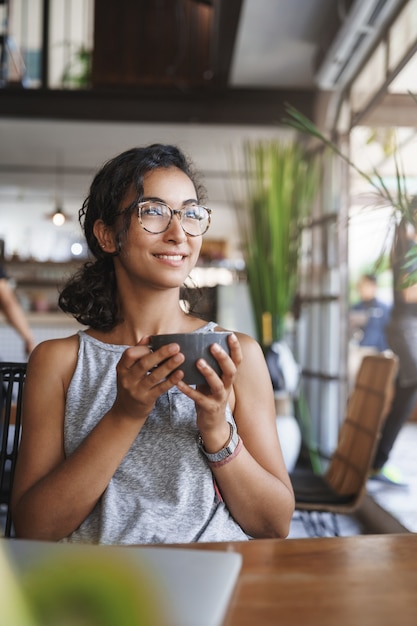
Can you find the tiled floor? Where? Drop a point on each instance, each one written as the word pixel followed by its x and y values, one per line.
pixel 399 502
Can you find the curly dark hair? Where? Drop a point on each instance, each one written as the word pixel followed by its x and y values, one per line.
pixel 90 295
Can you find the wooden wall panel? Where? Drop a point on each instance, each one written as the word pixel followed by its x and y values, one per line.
pixel 152 43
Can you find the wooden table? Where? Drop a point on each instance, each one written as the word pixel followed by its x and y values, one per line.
pixel 366 580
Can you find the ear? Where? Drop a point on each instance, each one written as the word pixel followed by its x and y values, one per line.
pixel 104 236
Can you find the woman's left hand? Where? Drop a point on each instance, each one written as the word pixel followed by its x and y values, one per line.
pixel 211 399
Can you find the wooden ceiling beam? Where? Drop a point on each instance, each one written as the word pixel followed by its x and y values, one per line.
pixel 228 106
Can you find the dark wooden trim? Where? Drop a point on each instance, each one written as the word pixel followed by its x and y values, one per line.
pixel 45 43
pixel 223 106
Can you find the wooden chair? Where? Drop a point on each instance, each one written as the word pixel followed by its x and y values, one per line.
pixel 12 377
pixel 341 488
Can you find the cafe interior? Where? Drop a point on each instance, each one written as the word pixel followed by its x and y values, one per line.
pixel 83 80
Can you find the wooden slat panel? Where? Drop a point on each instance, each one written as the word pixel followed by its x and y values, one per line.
pixel 146 43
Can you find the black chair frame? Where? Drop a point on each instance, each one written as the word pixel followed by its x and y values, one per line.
pixel 12 378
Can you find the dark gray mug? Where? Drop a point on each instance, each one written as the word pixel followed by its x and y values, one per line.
pixel 194 346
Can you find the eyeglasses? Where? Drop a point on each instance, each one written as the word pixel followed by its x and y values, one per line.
pixel 155 217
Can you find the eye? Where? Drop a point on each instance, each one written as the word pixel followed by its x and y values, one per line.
pixel 195 212
pixel 153 209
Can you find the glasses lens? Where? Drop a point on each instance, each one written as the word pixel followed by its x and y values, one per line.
pixel 154 216
pixel 195 219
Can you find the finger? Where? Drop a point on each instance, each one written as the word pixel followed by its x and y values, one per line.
pixel 198 393
pixel 158 387
pixel 145 359
pixel 214 386
pixel 235 349
pixel 226 364
pixel 165 369
pixel 214 380
pixel 132 355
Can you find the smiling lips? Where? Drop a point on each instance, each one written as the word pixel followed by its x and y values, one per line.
pixel 173 258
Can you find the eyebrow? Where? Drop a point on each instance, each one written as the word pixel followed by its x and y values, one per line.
pixel 156 199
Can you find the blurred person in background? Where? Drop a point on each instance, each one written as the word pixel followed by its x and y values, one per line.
pixel 13 312
pixel 370 316
pixel 368 319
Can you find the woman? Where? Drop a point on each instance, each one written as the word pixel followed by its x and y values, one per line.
pixel 109 450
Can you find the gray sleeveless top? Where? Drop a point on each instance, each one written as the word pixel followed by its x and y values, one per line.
pixel 163 491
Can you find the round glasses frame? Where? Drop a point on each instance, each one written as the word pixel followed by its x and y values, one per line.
pixel 180 212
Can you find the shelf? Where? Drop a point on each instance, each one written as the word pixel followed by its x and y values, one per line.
pixel 40 273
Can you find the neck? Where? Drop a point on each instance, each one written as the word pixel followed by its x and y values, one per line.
pixel 152 313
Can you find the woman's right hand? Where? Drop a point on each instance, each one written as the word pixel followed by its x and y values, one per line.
pixel 143 376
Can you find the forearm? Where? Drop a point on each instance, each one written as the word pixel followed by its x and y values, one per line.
pixel 261 503
pixel 58 503
pixel 14 313
pixel 20 324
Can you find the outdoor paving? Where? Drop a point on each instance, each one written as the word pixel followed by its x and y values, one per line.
pixel 401 502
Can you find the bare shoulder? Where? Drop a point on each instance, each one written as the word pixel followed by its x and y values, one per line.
pixel 253 385
pixel 253 379
pixel 250 347
pixel 253 370
pixel 55 358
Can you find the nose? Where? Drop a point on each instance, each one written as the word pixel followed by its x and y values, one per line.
pixel 175 230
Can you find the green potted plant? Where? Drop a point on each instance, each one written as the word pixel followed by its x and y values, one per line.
pixel 281 181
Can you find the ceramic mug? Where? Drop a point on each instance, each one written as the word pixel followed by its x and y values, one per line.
pixel 194 346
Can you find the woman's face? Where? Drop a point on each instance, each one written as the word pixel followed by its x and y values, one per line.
pixel 163 259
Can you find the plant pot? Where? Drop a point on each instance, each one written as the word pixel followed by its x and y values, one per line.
pixel 288 429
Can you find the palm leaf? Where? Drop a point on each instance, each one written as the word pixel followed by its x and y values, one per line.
pixel 297 120
pixel 401 202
